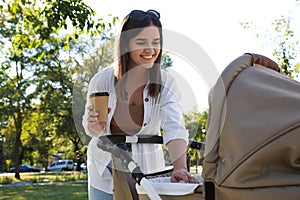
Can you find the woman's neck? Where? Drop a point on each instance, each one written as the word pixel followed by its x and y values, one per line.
pixel 136 78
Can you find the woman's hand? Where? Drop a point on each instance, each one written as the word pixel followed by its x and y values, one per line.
pixel 177 152
pixel 93 124
pixel 183 175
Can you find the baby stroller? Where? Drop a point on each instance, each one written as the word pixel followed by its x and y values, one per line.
pixel 252 148
pixel 152 186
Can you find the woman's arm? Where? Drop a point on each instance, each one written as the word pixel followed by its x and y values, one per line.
pixel 177 151
pixel 175 133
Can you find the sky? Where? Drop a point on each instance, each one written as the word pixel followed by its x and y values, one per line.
pixel 214 26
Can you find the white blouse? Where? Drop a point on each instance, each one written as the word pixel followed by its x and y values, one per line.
pixel 164 112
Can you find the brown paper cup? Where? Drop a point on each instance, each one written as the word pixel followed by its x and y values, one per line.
pixel 100 102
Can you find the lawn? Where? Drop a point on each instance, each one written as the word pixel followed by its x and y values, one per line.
pixel 46 177
pixel 65 191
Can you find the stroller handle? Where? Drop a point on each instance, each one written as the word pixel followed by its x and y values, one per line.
pixel 106 145
pixel 119 139
pixel 152 194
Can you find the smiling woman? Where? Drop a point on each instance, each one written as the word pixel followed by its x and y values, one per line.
pixel 143 99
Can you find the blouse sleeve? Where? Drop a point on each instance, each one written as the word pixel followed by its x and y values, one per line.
pixel 171 111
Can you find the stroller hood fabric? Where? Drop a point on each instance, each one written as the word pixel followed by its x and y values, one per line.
pixel 253 133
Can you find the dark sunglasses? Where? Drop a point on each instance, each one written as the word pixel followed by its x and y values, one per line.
pixel 139 14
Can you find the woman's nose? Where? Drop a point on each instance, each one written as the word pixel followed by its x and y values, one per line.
pixel 149 48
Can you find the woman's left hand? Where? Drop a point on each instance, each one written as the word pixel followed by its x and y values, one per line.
pixel 183 175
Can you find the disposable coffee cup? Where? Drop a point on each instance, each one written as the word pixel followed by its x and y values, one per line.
pixel 100 102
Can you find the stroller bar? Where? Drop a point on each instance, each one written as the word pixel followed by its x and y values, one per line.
pixel 153 195
pixel 119 139
pixel 114 150
pixel 196 145
pixel 127 160
pixel 153 139
pixel 131 139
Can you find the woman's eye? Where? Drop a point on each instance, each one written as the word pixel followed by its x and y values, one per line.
pixel 141 43
pixel 146 45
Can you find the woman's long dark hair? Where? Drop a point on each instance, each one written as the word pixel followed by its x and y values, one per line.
pixel 129 29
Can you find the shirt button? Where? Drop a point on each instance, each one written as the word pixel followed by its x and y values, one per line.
pixel 146 99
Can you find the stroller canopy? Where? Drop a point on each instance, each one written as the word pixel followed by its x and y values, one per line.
pixel 253 130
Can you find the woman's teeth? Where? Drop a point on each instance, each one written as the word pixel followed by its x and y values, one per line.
pixel 147 57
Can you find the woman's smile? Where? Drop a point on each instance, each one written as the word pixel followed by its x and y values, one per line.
pixel 147 57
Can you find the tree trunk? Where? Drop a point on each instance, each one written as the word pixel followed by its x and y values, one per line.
pixel 18 125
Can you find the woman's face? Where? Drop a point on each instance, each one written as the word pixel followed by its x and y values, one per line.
pixel 144 48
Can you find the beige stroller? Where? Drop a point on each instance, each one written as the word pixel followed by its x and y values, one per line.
pixel 252 148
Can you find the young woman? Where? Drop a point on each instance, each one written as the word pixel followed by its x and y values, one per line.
pixel 143 98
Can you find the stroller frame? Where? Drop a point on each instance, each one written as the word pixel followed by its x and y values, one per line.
pixel 109 143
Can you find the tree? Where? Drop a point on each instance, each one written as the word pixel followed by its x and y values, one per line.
pixel 166 60
pixel 195 123
pixel 288 47
pixel 95 53
pixel 31 32
pixel 284 42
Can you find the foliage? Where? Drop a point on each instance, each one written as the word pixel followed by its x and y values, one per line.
pixel 288 47
pixel 95 54
pixel 166 60
pixel 284 41
pixel 195 124
pixel 36 84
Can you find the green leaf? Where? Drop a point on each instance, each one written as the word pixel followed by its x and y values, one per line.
pixel 40 56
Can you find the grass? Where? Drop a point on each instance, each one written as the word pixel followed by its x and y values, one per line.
pixel 46 177
pixel 58 185
pixel 66 191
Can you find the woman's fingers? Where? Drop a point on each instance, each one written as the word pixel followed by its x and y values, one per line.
pixel 93 116
pixel 90 107
pixel 192 179
pixel 92 112
pixel 93 124
pixel 183 175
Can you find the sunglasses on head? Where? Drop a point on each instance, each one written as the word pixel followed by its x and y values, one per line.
pixel 139 14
